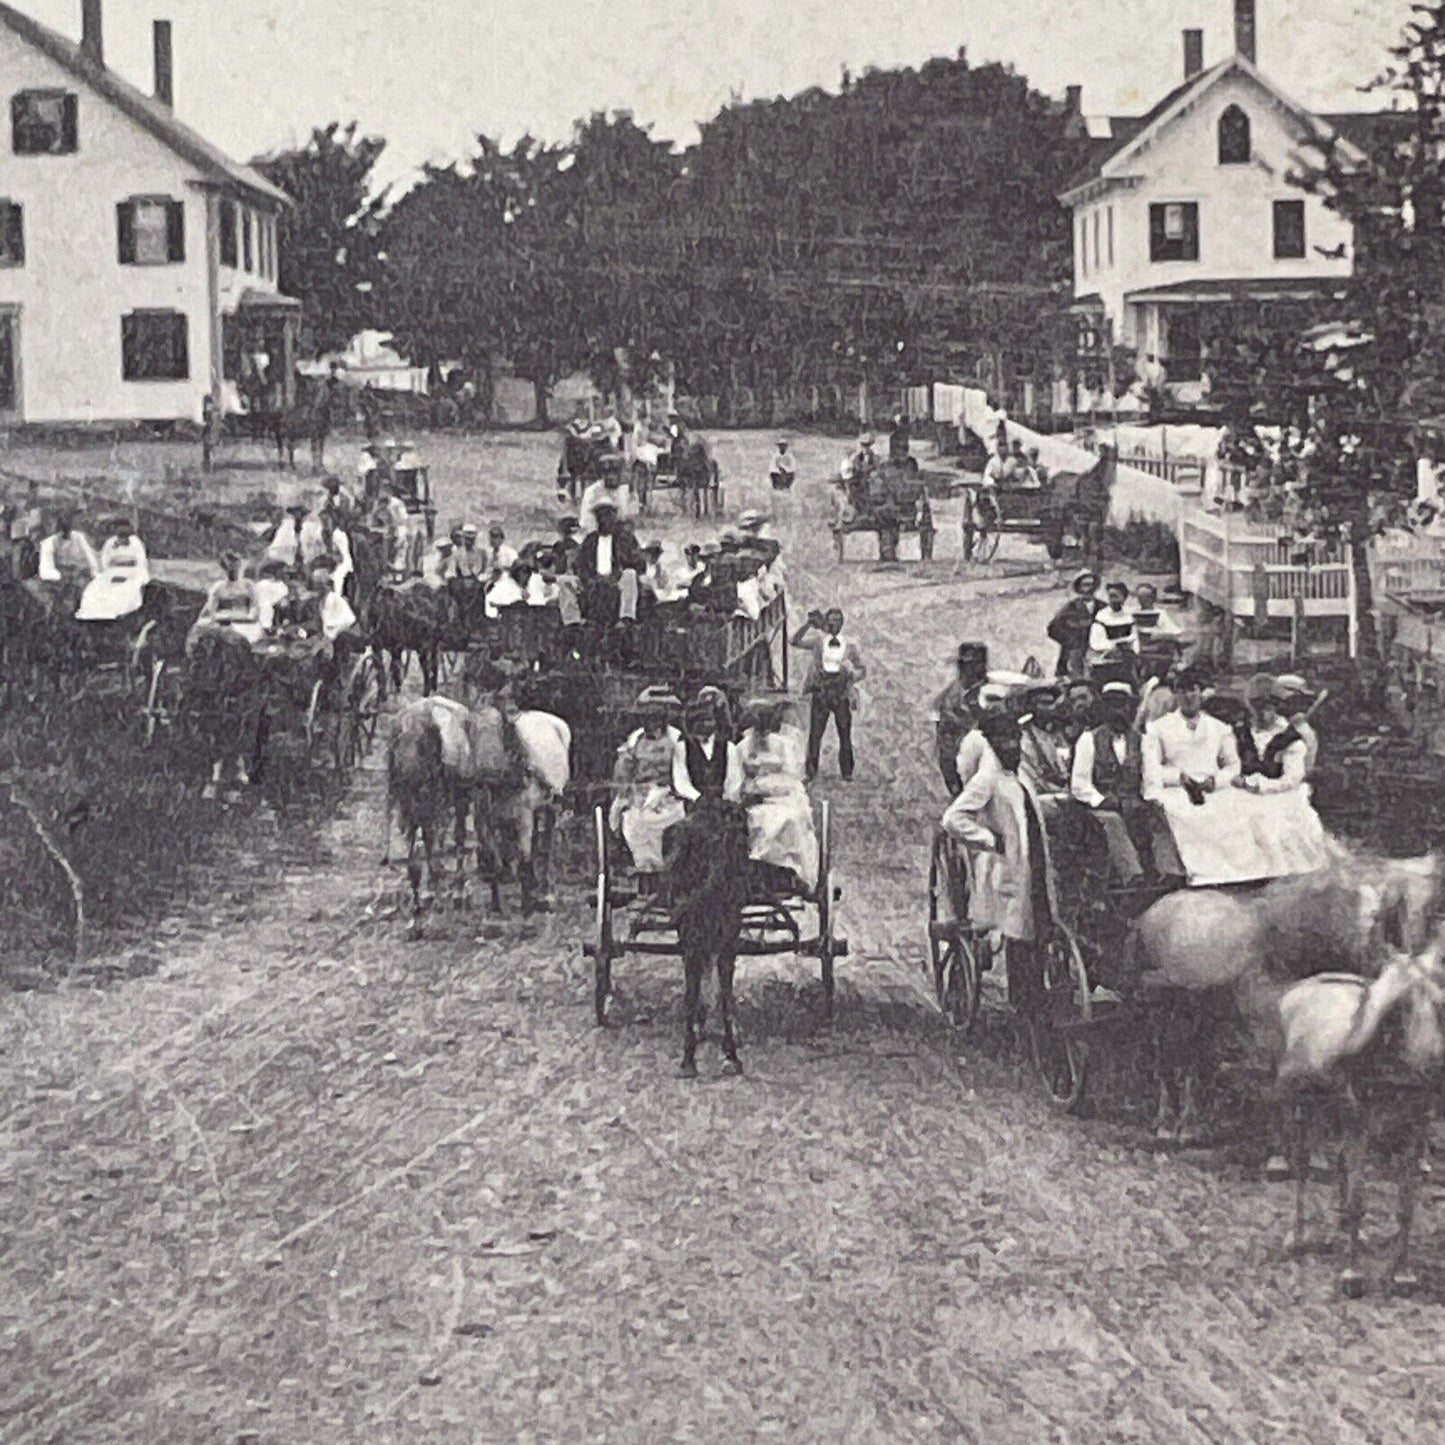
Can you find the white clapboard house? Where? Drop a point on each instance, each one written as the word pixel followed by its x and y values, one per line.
pixel 1193 204
pixel 137 261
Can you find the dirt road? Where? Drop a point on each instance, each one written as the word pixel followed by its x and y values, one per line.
pixel 311 1183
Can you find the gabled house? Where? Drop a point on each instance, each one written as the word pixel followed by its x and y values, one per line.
pixel 138 262
pixel 1193 204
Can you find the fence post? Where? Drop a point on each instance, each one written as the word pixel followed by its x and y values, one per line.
pixel 1296 631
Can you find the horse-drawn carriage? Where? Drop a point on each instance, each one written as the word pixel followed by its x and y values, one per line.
pixel 1058 510
pixel 893 499
pixel 231 696
pixel 585 457
pixel 686 466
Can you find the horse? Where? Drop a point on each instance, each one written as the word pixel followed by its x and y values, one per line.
pixel 696 475
pixel 422 790
pixel 405 620
pixel 706 858
pixel 519 770
pixel 1202 955
pixel 1363 1045
pixel 228 712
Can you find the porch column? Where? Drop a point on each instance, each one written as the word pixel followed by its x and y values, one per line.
pixel 290 325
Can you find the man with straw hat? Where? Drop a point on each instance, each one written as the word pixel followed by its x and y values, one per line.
pixel 1070 625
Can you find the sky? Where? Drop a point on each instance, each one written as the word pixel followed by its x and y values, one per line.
pixel 429 75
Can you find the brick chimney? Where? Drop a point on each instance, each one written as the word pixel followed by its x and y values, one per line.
pixel 1074 100
pixel 1244 29
pixel 1193 53
pixel 92 44
pixel 165 65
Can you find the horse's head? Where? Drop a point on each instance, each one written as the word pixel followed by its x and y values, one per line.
pixel 1407 902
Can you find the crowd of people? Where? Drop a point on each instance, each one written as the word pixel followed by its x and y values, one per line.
pixel 679 754
pixel 1150 778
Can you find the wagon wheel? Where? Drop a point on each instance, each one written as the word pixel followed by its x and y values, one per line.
pixel 642 485
pixel 828 943
pixel 601 946
pixel 985 538
pixel 356 729
pixel 315 717
pixel 955 964
pixel 1061 1055
pixel 138 656
pixel 162 700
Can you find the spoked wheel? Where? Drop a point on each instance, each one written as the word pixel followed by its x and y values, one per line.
pixel 138 657
pixel 602 944
pixel 162 700
pixel 1060 1052
pixel 315 718
pixel 985 539
pixel 953 959
pixel 363 708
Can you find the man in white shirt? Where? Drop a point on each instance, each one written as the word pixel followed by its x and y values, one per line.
pixel 611 488
pixel 782 470
pixel 66 564
pixel 469 561
pixel 1152 621
pixel 834 673
pixel 504 556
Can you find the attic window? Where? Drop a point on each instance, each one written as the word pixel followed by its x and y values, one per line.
pixel 1234 140
pixel 43 123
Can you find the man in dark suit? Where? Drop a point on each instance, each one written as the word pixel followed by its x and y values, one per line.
pixel 608 566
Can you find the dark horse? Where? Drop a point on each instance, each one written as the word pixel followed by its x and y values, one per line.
pixel 707 865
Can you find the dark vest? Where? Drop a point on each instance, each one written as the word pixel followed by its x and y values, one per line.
pixel 707 774
pixel 1110 775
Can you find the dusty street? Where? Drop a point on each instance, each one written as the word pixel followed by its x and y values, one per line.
pixel 311 1183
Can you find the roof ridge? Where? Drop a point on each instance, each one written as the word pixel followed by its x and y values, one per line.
pixel 147 112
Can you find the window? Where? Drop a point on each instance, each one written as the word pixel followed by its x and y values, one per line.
pixel 43 123
pixel 1174 231
pixel 154 346
pixel 1096 240
pixel 12 234
pixel 230 245
pixel 1083 246
pixel 151 231
pixel 1289 230
pixel 248 251
pixel 1111 235
pixel 1234 146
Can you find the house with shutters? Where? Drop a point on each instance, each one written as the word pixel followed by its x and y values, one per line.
pixel 138 262
pixel 1194 205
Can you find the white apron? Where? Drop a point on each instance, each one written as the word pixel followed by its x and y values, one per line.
pixel 645 806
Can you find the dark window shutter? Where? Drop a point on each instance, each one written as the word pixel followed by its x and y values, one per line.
pixel 1189 250
pixel 125 232
pixel 180 347
pixel 129 347
pixel 15 234
pixel 70 126
pixel 17 123
pixel 175 230
pixel 1156 233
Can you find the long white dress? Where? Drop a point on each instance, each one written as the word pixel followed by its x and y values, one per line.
pixel 780 825
pixel 1216 839
pixel 645 806
pixel 118 589
pixel 1286 828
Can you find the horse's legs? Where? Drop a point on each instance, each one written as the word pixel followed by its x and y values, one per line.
pixel 415 835
pixel 1402 1280
pixel 1298 1144
pixel 1352 1196
pixel 693 964
pixel 726 963
pixel 1166 1113
pixel 460 807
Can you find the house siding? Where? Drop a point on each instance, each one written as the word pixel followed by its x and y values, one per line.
pixel 72 291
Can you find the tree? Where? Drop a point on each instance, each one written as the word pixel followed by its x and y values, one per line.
pixel 327 239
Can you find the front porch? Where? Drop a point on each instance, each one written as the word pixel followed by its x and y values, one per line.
pixel 259 346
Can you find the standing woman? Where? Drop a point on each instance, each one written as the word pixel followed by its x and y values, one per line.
pixel 780 815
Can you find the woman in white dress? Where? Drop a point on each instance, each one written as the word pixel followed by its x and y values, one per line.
pixel 644 803
pixel 780 814
pixel 118 589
